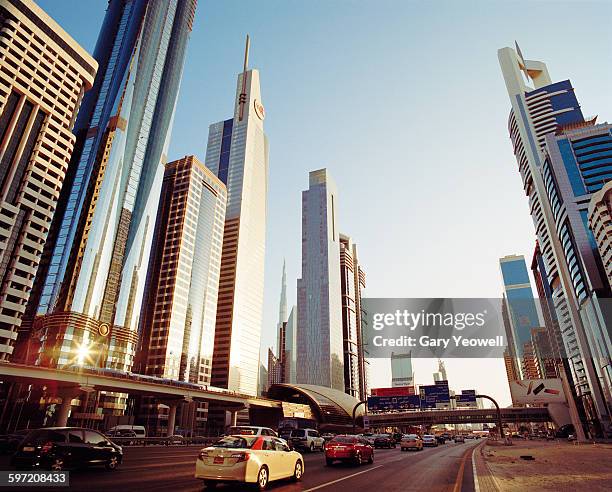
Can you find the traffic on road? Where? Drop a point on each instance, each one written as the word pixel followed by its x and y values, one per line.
pixel 249 458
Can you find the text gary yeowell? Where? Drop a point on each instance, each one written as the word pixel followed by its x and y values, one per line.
pixel 411 321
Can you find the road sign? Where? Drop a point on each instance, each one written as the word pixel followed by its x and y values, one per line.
pixel 394 403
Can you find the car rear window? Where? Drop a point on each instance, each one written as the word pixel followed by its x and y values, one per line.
pixel 344 439
pixel 236 442
pixel 243 431
pixel 43 436
pixel 410 436
pixel 298 433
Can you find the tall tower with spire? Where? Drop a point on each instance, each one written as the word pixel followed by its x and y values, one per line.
pixel 237 153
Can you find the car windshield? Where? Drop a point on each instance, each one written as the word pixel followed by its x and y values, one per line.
pixel 344 439
pixel 243 431
pixel 235 442
pixel 298 433
pixel 410 436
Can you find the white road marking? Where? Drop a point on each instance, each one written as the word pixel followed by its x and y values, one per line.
pixel 327 484
pixel 474 474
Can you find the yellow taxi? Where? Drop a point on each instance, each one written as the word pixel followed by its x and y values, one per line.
pixel 249 459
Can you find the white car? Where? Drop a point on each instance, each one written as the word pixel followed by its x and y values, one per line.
pixel 248 459
pixel 250 430
pixel 430 440
pixel 307 439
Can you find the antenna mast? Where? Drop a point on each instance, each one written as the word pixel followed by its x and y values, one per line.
pixel 242 98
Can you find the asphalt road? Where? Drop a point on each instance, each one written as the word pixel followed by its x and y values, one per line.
pixel 155 469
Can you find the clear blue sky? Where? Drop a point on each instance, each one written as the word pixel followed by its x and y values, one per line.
pixel 404 102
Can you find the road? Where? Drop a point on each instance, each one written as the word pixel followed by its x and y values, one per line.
pixel 156 469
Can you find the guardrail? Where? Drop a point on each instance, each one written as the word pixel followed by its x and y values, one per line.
pixel 164 441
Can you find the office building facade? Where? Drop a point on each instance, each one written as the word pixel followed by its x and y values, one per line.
pixel 180 309
pixel 539 108
pixel 577 164
pixel 237 153
pixel 89 294
pixel 401 370
pixel 352 280
pixel 600 222
pixel 320 348
pixel 180 302
pixel 522 312
pixel 44 74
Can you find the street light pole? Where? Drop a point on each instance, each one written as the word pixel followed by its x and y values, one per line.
pixel 499 417
pixel 362 402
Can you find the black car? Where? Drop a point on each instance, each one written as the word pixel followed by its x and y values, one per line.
pixel 58 448
pixel 384 441
pixel 9 442
pixel 441 439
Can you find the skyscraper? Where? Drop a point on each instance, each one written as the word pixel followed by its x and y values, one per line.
pixel 540 109
pixel 290 357
pixel 276 363
pixel 522 312
pixel 87 303
pixel 180 306
pixel 238 154
pixel 401 370
pixel 320 351
pixel 577 165
pixel 43 78
pixel 600 222
pixel 352 280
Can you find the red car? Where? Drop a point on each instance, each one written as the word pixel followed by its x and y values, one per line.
pixel 349 448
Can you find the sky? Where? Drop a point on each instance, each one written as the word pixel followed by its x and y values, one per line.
pixel 404 103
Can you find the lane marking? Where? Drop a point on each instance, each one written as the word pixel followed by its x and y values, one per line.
pixel 475 475
pixel 459 479
pixel 327 484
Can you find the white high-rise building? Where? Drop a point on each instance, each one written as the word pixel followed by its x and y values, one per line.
pixel 238 154
pixel 539 108
pixel 320 358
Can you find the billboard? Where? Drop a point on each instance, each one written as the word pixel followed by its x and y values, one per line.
pixel 393 403
pixel 395 391
pixel 532 391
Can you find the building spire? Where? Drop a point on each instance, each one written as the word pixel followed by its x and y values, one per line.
pixel 243 95
pixel 282 307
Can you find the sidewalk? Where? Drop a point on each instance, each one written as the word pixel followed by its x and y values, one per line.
pixel 558 465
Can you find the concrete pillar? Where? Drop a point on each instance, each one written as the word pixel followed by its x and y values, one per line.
pixel 64 410
pixel 171 418
pixel 233 417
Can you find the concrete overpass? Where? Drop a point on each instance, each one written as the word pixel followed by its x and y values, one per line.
pixel 460 416
pixel 68 383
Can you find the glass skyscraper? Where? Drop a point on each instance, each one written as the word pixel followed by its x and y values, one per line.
pixel 237 153
pixel 522 312
pixel 320 350
pixel 540 108
pixel 87 304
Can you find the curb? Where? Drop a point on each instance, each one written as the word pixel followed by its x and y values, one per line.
pixel 484 480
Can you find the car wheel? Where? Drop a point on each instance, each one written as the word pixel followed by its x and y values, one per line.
pixel 210 484
pixel 329 462
pixel 57 464
pixel 297 472
pixel 402 450
pixel 312 448
pixel 112 463
pixel 358 458
pixel 262 478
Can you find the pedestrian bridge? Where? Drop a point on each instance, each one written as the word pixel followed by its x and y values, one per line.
pixel 462 416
